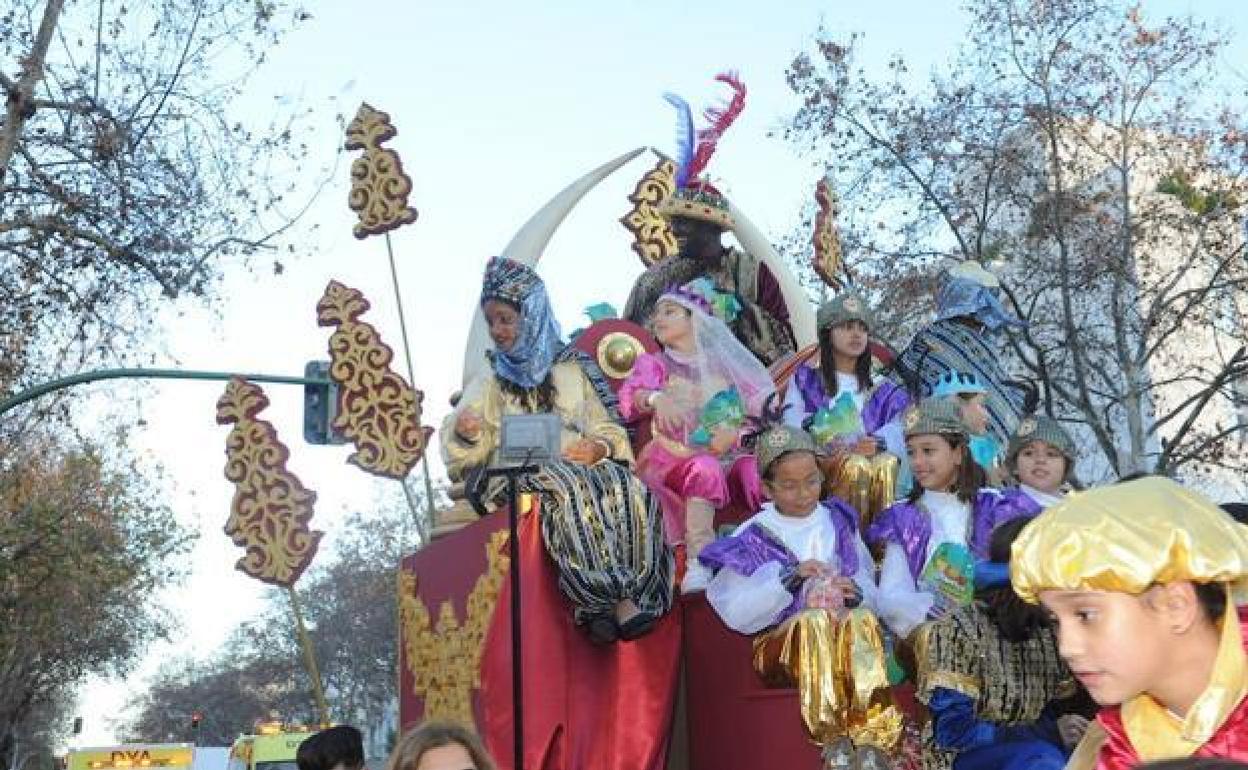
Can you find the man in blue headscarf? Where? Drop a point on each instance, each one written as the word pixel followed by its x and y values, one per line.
pixel 968 315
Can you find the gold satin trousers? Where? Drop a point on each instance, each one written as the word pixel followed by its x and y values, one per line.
pixel 868 484
pixel 839 670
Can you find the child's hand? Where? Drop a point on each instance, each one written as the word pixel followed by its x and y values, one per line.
pixel 722 440
pixel 1071 728
pixel 468 425
pixel 811 568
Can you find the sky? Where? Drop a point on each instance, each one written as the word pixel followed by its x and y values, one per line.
pixel 498 106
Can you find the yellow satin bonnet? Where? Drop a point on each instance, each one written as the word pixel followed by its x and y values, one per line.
pixel 1127 537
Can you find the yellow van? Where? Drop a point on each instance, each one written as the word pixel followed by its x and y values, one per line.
pixel 272 748
pixel 132 756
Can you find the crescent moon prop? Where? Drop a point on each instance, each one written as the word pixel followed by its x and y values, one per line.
pixel 801 312
pixel 530 242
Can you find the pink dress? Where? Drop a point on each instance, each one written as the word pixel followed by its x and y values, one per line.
pixel 675 470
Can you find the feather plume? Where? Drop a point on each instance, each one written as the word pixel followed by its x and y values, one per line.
pixel 720 118
pixel 684 137
pixel 772 415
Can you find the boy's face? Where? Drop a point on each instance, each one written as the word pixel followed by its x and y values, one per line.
pixel 1041 466
pixel 1115 643
pixel 975 412
pixel 795 483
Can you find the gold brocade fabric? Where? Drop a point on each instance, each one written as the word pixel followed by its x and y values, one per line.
pixel 576 403
pixel 444 658
pixel 1157 734
pixel 1126 537
pixel 1010 682
pixel 868 484
pixel 839 671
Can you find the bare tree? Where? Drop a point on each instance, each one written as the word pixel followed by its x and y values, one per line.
pixel 1089 156
pixel 125 177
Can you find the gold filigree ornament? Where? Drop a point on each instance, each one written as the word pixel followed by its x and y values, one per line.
pixel 445 659
pixel 827 241
pixel 271 508
pixel 378 410
pixel 379 186
pixel 653 239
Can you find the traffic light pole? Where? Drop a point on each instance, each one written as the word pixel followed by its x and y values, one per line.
pixel 145 374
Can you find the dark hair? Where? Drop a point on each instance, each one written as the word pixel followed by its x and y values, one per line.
pixel 1238 511
pixel 537 400
pixel 827 364
pixel 1017 620
pixel 971 477
pixel 1212 598
pixel 431 735
pixel 340 744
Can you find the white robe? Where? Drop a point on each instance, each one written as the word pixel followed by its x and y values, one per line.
pixel 903 604
pixel 749 604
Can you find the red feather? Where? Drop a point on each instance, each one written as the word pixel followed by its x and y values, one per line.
pixel 721 118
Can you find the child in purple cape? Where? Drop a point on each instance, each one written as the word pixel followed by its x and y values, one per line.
pixel 799 568
pixel 854 419
pixel 932 539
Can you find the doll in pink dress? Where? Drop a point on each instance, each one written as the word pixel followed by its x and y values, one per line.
pixel 701 390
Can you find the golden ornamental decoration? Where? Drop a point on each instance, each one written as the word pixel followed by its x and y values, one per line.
pixel 445 659
pixel 379 186
pixel 653 239
pixel 828 257
pixel 271 508
pixel 378 410
pixel 618 353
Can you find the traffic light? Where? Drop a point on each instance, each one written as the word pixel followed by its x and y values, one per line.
pixel 196 718
pixel 320 406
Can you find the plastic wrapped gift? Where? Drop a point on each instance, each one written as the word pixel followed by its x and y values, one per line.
pixel 724 410
pixel 841 422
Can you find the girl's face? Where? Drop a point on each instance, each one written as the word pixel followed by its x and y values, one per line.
pixel 671 322
pixel 849 338
pixel 934 461
pixel 1041 466
pixel 795 484
pixel 504 323
pixel 975 412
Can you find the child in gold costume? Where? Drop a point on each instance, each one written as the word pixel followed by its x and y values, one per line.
pixel 1143 579
pixel 799 573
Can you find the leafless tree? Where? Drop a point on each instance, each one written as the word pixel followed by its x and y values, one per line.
pixel 126 178
pixel 1091 157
